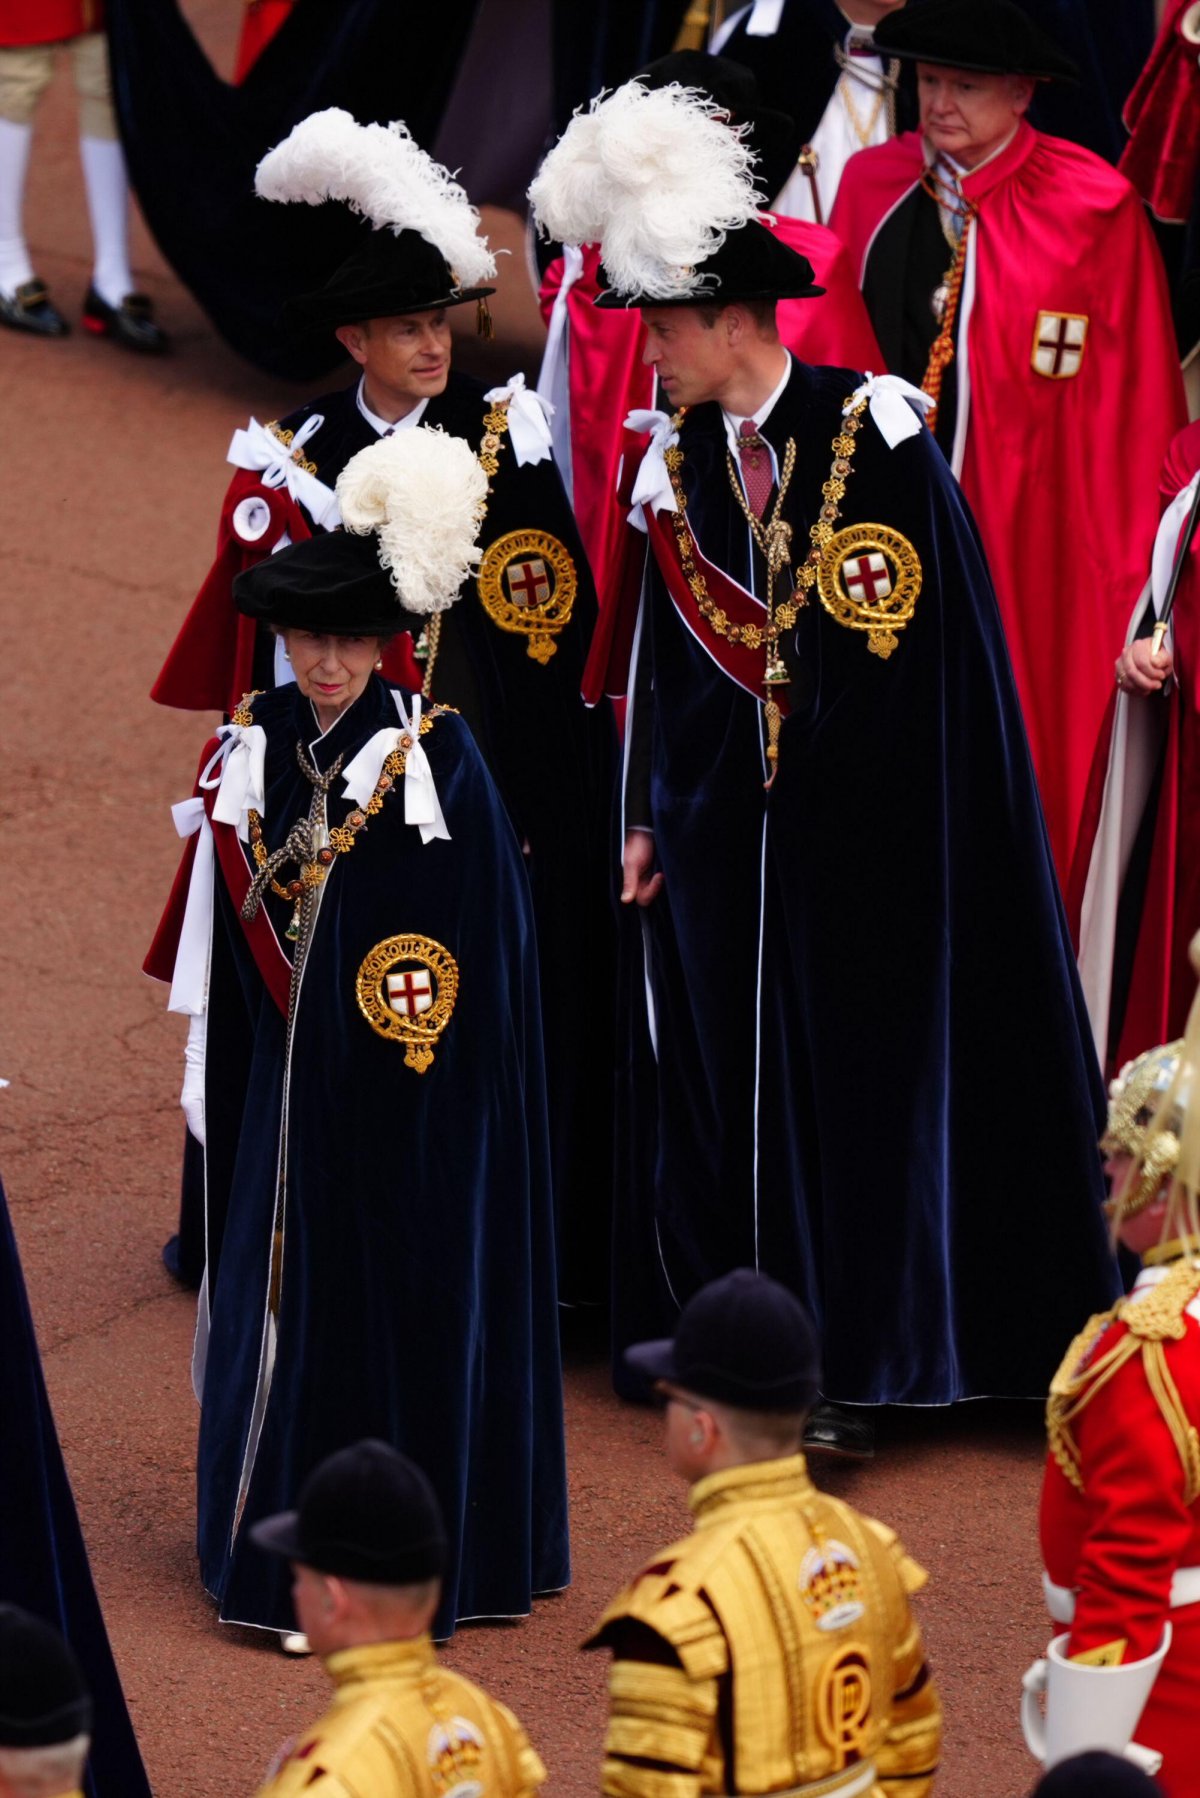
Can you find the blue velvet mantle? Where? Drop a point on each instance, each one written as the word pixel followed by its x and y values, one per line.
pixel 417 1298
pixel 900 1119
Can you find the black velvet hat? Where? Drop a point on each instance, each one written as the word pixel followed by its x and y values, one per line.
pixel 751 264
pixel 743 1340
pixel 990 37
pixel 1096 1775
pixel 367 1513
pixel 330 582
pixel 774 137
pixel 388 274
pixel 43 1697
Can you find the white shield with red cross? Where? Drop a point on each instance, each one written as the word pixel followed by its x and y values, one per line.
pixel 528 582
pixel 868 579
pixel 410 992
pixel 1058 342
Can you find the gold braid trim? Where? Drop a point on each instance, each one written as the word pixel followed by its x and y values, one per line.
pixel 1151 1319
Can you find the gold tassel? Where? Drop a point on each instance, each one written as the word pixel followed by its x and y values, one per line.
pixel 483 320
pixel 693 33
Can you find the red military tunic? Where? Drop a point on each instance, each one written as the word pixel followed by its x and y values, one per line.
pixel 1067 375
pixel 1120 1507
pixel 24 22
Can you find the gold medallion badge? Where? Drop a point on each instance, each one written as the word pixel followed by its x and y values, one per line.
pixel 406 990
pixel 527 583
pixel 869 578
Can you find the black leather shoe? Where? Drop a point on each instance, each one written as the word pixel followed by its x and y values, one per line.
pixel 30 309
pixel 834 1430
pixel 130 324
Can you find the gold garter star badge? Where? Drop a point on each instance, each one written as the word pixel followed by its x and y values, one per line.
pixel 527 582
pixel 869 578
pixel 406 990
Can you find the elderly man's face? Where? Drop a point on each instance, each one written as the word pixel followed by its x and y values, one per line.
pixel 968 116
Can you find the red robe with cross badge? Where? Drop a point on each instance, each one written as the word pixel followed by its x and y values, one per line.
pixel 593 372
pixel 1120 1508
pixel 1065 374
pixel 25 22
pixel 1134 898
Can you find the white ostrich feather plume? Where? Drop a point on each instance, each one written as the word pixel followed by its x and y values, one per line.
pixel 425 494
pixel 656 177
pixel 379 171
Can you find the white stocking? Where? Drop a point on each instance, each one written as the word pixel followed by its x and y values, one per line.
pixel 108 207
pixel 15 266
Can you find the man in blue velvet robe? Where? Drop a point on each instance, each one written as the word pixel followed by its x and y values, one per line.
pixel 853 937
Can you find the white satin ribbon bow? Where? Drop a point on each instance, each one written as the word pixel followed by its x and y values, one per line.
pixel 652 486
pixel 553 383
pixel 236 768
pixel 421 804
pixel 890 406
pixel 260 451
pixel 528 419
pixel 189 980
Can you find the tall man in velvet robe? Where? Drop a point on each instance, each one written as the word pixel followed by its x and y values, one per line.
pixel 508 655
pixel 592 371
pixel 850 918
pixel 1015 277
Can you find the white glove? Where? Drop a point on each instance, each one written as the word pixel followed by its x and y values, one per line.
pixel 192 1096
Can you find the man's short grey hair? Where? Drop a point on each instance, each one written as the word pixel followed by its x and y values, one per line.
pixel 44 1772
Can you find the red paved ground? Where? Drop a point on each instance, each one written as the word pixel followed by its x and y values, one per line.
pixel 112 474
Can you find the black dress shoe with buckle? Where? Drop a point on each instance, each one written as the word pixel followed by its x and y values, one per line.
pixel 835 1430
pixel 30 309
pixel 130 324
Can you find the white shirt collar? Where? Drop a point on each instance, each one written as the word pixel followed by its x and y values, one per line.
pixel 733 423
pixel 380 425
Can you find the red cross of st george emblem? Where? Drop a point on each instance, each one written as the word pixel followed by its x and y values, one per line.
pixel 410 993
pixel 1058 340
pixel 528 582
pixel 868 579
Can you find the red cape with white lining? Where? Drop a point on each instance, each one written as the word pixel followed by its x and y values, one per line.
pixel 1049 465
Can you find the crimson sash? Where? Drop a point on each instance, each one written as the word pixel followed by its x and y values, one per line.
pixel 745 666
pixel 259 932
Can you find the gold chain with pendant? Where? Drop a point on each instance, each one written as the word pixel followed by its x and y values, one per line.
pixel 314 866
pixel 774 541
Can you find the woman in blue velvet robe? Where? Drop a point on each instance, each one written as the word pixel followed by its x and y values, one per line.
pixel 380 1257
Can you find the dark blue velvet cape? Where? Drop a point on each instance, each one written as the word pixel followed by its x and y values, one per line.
pixel 43 1560
pixel 920 1164
pixel 418 1290
pixel 554 762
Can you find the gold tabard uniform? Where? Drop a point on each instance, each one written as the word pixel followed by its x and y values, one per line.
pixel 772 1651
pixel 400 1726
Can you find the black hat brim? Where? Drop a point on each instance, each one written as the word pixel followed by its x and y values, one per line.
pixel 652 1361
pixel 330 582
pixel 983 37
pixel 750 264
pixel 279 1535
pixel 414 1563
pixel 323 311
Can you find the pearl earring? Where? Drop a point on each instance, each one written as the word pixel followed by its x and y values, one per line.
pixel 379 662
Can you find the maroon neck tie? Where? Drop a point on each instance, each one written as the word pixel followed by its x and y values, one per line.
pixel 755 458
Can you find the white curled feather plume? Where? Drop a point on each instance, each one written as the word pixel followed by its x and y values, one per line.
pixel 380 172
pixel 425 494
pixel 656 178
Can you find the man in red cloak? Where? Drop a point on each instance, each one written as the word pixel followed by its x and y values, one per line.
pixel 1015 277
pixel 592 370
pixel 1134 898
